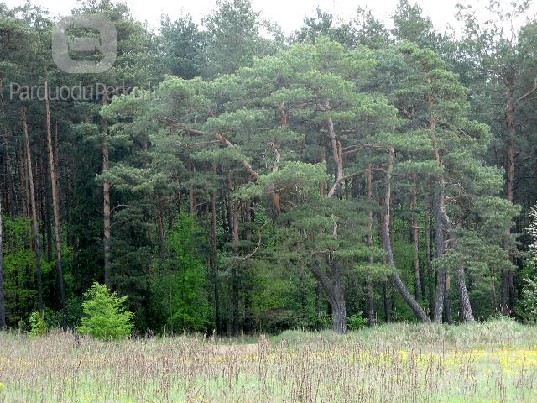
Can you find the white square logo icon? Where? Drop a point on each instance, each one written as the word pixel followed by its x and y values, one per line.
pixel 64 46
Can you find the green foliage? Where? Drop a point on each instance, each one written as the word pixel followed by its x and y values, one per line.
pixel 38 325
pixel 181 46
pixel 323 23
pixel 528 303
pixel 356 321
pixel 277 134
pixel 411 25
pixel 178 285
pixel 283 298
pixel 320 321
pixel 105 316
pixel 19 284
pixel 232 37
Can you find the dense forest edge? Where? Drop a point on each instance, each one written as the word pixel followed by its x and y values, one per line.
pixel 227 179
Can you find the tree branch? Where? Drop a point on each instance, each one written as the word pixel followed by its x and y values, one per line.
pixel 338 157
pixel 217 136
pixel 528 94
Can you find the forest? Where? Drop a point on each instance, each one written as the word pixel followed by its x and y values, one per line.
pixel 227 178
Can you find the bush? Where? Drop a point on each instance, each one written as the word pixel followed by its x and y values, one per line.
pixel 356 321
pixel 179 285
pixel 528 302
pixel 105 316
pixel 38 325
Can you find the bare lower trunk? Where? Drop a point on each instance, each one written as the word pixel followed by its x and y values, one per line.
pixel 214 264
pixel 507 277
pixel 56 212
pixel 442 225
pixel 386 242
pixel 334 291
pixel 447 306
pixel 371 319
pixel 370 292
pixel 510 161
pixel 33 208
pixel 107 222
pixel 430 273
pixel 464 299
pixel 235 268
pixel 24 182
pixel 11 192
pixel 2 299
pixel 339 316
pixel 442 228
pixel 339 306
pixel 440 294
pixel 415 238
pixel 107 212
pixel 192 199
pixel 385 302
pixel 160 227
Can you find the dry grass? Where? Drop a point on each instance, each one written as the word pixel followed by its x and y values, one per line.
pixel 494 361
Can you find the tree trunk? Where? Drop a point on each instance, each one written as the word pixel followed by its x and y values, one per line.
pixel 386 243
pixel 2 299
pixel 338 158
pixel 385 302
pixel 507 282
pixel 415 238
pixel 107 212
pixel 370 295
pixel 56 212
pixel 24 182
pixel 442 224
pixel 510 160
pixel 339 306
pixel 214 263
pixel 11 193
pixel 334 288
pixel 339 316
pixel 33 207
pixel 42 185
pixel 440 294
pixel 464 299
pixel 160 227
pixel 371 318
pixel 192 199
pixel 235 268
pixel 447 305
pixel 334 291
pixel 430 273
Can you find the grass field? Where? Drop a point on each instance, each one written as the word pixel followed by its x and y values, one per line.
pixel 494 361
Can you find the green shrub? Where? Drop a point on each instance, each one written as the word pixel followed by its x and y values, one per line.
pixel 38 325
pixel 528 303
pixel 179 285
pixel 105 316
pixel 320 321
pixel 356 321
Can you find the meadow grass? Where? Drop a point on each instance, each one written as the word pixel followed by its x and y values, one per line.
pixel 493 361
